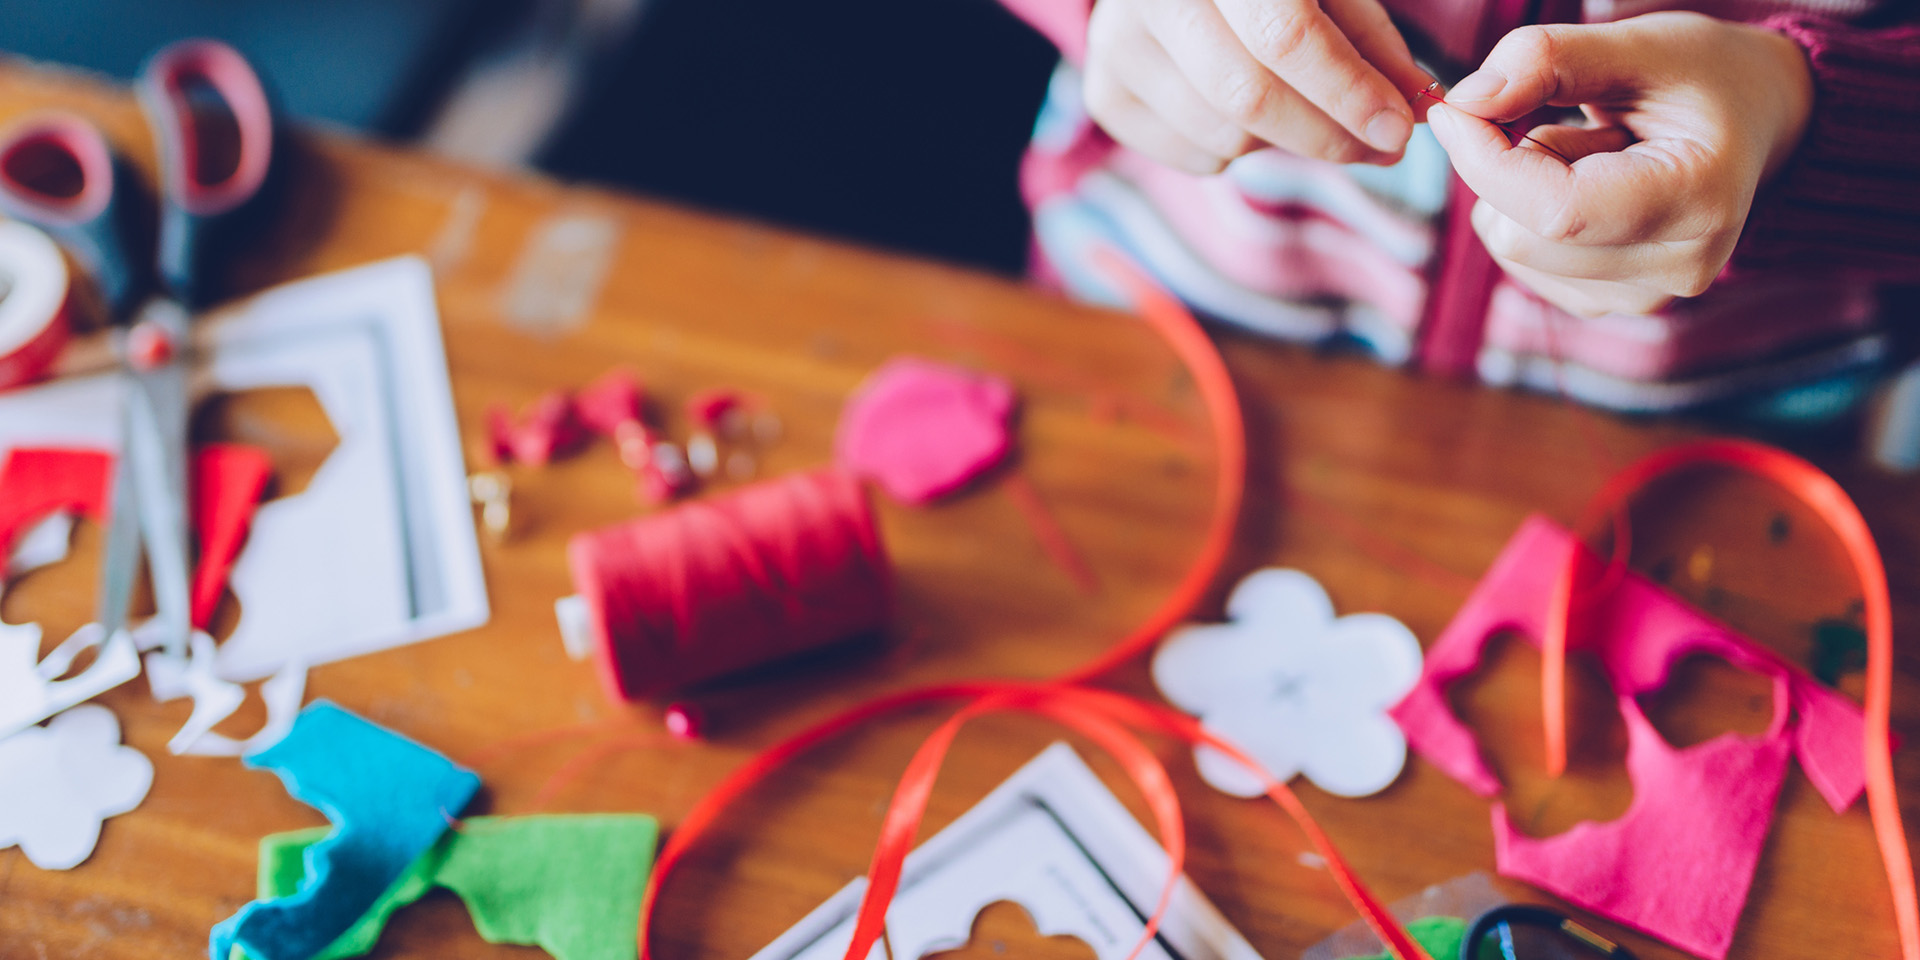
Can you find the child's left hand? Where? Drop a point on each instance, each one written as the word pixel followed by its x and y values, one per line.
pixel 1687 117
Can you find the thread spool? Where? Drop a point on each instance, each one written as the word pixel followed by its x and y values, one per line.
pixel 716 586
pixel 36 303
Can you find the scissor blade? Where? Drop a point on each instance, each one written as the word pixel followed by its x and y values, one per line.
pixel 158 405
pixel 123 527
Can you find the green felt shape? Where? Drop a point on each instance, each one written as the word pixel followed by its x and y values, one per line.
pixel 1440 936
pixel 568 884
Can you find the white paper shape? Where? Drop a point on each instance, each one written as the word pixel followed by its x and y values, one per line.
pixel 58 782
pixel 44 544
pixel 1297 689
pixel 393 496
pixel 28 694
pixel 215 700
pixel 1051 839
pixel 340 537
pixel 380 549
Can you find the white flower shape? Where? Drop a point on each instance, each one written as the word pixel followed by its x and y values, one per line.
pixel 59 781
pixel 1297 689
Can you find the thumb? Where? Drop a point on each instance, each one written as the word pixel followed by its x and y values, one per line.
pixel 1561 65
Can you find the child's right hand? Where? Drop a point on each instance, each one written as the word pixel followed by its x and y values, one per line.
pixel 1196 83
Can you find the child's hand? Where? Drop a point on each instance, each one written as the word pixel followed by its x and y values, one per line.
pixel 1196 83
pixel 1688 116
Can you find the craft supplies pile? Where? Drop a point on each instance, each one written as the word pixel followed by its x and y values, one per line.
pixel 719 572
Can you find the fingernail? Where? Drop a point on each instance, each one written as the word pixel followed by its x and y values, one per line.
pixel 1479 86
pixel 1388 131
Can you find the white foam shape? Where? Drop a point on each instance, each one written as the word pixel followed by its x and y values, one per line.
pixel 1297 689
pixel 342 537
pixel 58 782
pixel 44 544
pixel 215 700
pixel 28 695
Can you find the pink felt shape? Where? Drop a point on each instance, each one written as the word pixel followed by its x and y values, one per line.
pixel 610 401
pixel 922 429
pixel 1678 864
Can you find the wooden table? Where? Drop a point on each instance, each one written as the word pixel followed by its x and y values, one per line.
pixel 1394 491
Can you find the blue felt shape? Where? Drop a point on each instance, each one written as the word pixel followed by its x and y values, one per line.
pixel 389 798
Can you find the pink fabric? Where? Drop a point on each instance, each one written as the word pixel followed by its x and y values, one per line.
pixel 1731 323
pixel 1679 862
pixel 922 429
pixel 1847 201
pixel 1297 255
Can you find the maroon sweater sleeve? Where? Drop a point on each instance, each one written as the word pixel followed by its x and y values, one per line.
pixel 1850 196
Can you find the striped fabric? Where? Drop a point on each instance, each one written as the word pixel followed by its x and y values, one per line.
pixel 1309 251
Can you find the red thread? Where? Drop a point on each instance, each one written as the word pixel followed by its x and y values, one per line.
pixel 1053 539
pixel 1505 128
pixel 719 585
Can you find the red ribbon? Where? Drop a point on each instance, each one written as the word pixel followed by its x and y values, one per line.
pixel 1113 721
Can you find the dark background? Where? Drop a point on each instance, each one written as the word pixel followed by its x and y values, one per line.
pixel 897 123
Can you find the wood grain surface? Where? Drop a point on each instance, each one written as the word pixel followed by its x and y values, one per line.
pixel 1393 490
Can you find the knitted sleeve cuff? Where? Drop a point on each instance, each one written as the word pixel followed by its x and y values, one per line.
pixel 1850 195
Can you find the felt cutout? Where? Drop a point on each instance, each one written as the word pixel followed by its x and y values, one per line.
pixel 36 483
pixel 58 782
pixel 548 430
pixel 228 480
pixel 215 700
pixel 923 430
pixel 1441 937
pixel 1678 864
pixel 47 543
pixel 1301 691
pixel 569 884
pixel 390 799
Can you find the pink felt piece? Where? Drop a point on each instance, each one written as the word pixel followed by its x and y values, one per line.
pixel 922 429
pixel 1679 862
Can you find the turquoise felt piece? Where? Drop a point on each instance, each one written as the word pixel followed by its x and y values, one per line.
pixel 389 799
pixel 569 884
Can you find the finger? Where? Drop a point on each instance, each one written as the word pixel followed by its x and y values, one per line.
pixel 1554 65
pixel 1641 264
pixel 1587 298
pixel 1304 47
pixel 1570 143
pixel 1167 92
pixel 1601 199
pixel 1130 121
pixel 1249 95
pixel 1378 40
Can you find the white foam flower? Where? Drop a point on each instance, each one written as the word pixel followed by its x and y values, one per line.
pixel 1296 688
pixel 58 782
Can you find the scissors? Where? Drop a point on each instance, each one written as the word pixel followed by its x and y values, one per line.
pixel 214 129
pixel 1498 924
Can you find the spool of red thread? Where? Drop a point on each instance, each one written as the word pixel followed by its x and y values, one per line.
pixel 719 585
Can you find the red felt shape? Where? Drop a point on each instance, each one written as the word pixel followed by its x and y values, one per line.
pixel 548 430
pixel 228 480
pixel 610 401
pixel 922 429
pixel 38 482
